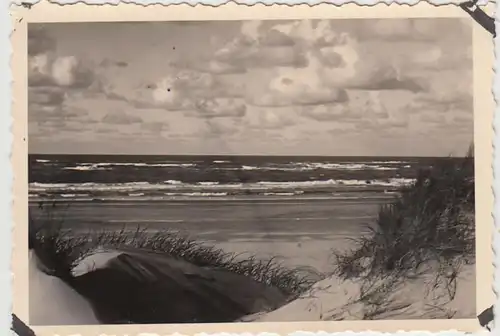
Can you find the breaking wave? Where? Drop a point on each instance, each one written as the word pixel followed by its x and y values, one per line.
pixel 177 185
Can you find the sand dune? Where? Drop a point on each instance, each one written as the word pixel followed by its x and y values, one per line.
pixel 233 296
pixel 53 302
pixel 418 298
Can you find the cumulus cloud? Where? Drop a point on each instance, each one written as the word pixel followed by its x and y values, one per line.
pixel 310 62
pixel 51 79
pixel 220 107
pixel 177 91
pixel 296 88
pixel 62 71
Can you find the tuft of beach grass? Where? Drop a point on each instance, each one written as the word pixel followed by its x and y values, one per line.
pixel 428 227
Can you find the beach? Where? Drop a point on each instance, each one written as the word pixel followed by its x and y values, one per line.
pixel 299 231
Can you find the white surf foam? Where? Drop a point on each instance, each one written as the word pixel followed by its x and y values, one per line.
pixel 210 186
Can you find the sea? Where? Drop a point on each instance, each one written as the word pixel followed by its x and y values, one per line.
pixel 150 178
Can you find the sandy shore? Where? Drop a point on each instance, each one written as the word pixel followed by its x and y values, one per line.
pixel 298 232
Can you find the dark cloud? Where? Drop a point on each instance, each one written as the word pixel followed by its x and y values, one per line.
pixel 110 63
pixel 120 118
pixel 393 84
pixel 46 96
pixel 38 40
pixel 330 59
pixel 388 78
pixel 275 38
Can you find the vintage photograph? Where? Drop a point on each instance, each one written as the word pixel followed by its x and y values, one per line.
pixel 251 171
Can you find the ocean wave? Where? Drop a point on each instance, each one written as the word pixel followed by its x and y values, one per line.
pixel 344 166
pixel 110 165
pixel 208 183
pixel 292 166
pixel 173 182
pixel 388 162
pixel 310 166
pixel 178 186
pixel 199 194
pixel 83 168
pixel 136 194
pixel 294 193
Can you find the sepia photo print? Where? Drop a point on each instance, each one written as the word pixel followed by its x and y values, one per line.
pixel 257 170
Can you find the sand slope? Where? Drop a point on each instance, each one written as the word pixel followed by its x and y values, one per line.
pixel 139 287
pixel 418 298
pixel 53 302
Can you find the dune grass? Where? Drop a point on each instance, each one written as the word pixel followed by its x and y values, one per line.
pixel 61 250
pixel 430 223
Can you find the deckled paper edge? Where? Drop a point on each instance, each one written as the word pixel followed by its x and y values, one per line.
pixel 5 164
pixel 250 2
pixel 6 121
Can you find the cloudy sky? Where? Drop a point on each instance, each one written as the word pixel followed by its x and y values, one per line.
pixel 325 87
